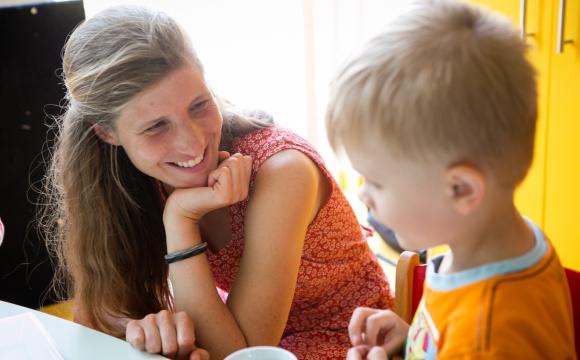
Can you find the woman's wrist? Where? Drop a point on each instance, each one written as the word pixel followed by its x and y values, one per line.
pixel 174 214
pixel 181 240
pixel 181 232
pixel 186 253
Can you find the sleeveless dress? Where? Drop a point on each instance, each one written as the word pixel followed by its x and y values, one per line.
pixel 338 271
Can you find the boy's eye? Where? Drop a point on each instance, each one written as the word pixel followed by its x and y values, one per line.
pixel 372 184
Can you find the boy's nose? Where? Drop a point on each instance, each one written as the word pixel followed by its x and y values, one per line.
pixel 365 197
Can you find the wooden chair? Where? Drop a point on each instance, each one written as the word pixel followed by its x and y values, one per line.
pixel 574 284
pixel 409 278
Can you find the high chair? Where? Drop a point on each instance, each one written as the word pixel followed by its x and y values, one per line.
pixel 410 276
pixel 574 284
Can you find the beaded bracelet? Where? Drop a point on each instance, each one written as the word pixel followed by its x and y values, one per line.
pixel 186 253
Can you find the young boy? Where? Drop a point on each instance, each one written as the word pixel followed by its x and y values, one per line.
pixel 438 113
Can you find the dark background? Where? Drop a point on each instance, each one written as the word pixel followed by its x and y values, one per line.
pixel 31 41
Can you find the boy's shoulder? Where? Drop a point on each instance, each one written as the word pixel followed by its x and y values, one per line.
pixel 527 311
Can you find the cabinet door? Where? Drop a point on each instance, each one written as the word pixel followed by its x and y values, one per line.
pixel 535 17
pixel 562 216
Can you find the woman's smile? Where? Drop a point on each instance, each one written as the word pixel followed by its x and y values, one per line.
pixel 174 140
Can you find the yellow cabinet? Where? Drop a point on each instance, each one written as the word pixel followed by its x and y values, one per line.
pixel 550 194
pixel 562 199
pixel 530 194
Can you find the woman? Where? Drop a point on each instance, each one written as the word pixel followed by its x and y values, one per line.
pixel 142 168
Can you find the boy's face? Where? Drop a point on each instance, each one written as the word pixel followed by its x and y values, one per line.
pixel 408 196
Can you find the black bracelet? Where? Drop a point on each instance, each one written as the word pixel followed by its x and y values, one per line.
pixel 187 253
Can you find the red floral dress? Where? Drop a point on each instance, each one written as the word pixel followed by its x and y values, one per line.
pixel 338 271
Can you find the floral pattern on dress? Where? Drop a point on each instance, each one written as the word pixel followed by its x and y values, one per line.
pixel 338 271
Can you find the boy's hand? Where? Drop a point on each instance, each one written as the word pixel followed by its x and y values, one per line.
pixel 166 333
pixel 377 328
pixel 362 352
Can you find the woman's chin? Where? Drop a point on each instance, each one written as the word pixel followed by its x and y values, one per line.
pixel 188 184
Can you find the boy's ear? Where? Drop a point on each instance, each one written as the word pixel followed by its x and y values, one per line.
pixel 107 136
pixel 465 187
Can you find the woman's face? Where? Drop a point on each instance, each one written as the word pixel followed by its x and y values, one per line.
pixel 171 131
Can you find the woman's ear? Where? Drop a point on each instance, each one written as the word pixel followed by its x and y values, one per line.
pixel 107 136
pixel 465 187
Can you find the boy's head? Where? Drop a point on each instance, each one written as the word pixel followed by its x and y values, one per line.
pixel 446 86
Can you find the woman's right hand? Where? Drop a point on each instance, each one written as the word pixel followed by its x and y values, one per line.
pixel 169 334
pixel 227 185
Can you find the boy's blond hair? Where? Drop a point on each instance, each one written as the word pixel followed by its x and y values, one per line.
pixel 446 80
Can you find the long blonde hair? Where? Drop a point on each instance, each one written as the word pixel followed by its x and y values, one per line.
pixel 101 216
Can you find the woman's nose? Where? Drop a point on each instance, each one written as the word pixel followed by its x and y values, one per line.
pixel 189 139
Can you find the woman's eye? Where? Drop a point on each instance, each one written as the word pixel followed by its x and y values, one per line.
pixel 200 106
pixel 155 127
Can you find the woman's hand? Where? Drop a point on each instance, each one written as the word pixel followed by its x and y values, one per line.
pixel 227 185
pixel 166 333
pixel 370 328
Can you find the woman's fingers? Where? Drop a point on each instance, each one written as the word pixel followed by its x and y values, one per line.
pixel 167 333
pixel 227 185
pixel 199 354
pixel 185 335
pixel 234 165
pixel 222 155
pixel 152 336
pixel 135 335
pixel 231 179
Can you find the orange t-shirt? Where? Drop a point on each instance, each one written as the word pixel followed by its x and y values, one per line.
pixel 514 309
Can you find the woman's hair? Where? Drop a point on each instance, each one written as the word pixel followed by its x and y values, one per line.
pixel 102 217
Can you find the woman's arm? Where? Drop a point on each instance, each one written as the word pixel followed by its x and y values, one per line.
pixel 286 198
pixel 288 194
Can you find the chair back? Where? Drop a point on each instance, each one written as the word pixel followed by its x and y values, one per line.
pixel 410 276
pixel 574 284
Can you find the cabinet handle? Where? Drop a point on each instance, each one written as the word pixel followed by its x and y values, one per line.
pixel 523 15
pixel 561 18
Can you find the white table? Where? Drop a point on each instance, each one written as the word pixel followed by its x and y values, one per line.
pixel 74 341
